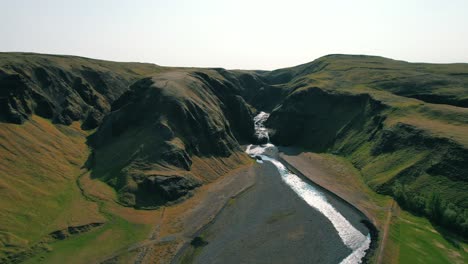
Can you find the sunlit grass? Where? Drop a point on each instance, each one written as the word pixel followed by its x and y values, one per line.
pixel 418 242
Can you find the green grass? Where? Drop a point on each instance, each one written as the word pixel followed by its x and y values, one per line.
pixel 392 137
pixel 72 63
pixel 411 239
pixel 386 166
pixel 394 83
pixel 41 194
pixel 89 247
pixel 419 242
pixel 37 176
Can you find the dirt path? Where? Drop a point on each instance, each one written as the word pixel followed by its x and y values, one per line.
pixel 393 211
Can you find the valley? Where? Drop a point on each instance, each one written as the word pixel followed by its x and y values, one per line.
pixel 110 162
pixel 260 225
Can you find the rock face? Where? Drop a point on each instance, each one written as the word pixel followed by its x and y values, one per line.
pixel 159 124
pixel 355 126
pixel 448 158
pixel 314 118
pixel 156 190
pixel 64 89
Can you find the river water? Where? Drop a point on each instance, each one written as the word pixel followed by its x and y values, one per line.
pixel 315 198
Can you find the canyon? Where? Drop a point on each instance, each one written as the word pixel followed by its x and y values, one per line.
pixel 127 151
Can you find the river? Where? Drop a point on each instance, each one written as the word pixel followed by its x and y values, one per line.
pixel 351 237
pixel 281 218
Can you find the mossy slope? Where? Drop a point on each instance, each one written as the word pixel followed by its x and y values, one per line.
pixel 63 88
pixel 144 148
pixel 165 132
pixel 363 108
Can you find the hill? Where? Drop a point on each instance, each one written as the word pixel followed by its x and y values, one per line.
pixel 403 125
pixel 152 133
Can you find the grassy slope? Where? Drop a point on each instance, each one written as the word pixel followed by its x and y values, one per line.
pixel 416 241
pixel 73 63
pixel 39 153
pixel 354 75
pixel 41 163
pixel 124 228
pixel 364 74
pixel 410 239
pixel 33 154
pixel 64 88
pixel 437 120
pixel 396 84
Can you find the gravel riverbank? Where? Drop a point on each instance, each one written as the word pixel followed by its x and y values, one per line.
pixel 269 223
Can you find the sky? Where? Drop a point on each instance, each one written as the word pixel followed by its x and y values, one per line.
pixel 241 34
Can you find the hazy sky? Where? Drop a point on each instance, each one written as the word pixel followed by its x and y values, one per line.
pixel 246 34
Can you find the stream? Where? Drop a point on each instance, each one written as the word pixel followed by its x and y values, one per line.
pixel 315 198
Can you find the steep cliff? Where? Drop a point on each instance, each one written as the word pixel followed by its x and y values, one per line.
pixel 148 140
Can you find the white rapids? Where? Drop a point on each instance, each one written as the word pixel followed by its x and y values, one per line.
pixel 350 236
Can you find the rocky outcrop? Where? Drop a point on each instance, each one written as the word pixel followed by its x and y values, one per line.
pixel 447 159
pixel 317 119
pixel 159 125
pixel 156 190
pixel 41 246
pixel 401 159
pixel 73 230
pixel 17 101
pixel 254 88
pixel 62 89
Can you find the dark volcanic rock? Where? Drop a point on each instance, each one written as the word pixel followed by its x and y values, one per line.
pixel 154 190
pixel 14 97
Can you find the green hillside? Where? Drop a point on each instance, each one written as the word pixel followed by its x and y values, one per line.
pixel 153 134
pixel 404 125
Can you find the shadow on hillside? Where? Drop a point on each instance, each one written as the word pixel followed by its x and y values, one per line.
pixel 449 236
